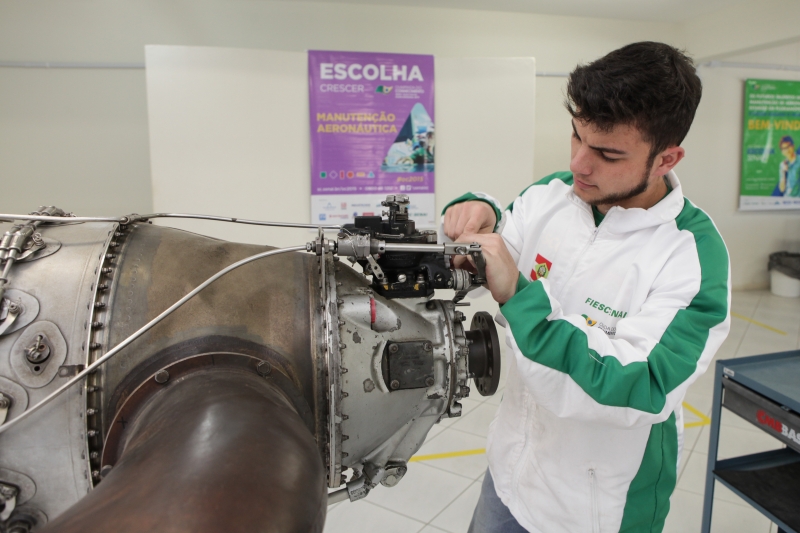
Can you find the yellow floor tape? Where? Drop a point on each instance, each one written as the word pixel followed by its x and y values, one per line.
pixel 704 421
pixel 757 323
pixel 448 455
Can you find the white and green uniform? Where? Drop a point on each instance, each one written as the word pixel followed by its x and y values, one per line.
pixel 622 318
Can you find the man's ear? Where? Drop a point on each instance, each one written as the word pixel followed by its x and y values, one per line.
pixel 666 160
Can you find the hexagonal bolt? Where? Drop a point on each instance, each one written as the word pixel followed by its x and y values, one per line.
pixel 394 385
pixel 393 348
pixel 5 401
pixel 429 381
pixel 427 347
pixel 162 376
pixel 264 368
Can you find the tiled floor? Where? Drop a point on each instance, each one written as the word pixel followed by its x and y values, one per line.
pixel 439 495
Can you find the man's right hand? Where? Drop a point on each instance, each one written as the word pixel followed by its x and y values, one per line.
pixel 469 217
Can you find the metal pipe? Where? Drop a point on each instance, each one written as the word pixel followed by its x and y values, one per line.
pixel 141 331
pixel 338 496
pixel 128 219
pixel 240 221
pixel 217 450
pixel 416 248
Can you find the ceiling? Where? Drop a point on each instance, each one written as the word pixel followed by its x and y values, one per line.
pixel 649 10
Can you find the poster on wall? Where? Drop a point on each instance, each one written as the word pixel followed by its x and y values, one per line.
pixel 372 134
pixel 771 133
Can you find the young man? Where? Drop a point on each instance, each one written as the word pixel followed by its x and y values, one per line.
pixel 615 290
pixel 789 179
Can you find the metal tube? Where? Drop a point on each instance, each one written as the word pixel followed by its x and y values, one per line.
pixel 141 331
pixel 217 450
pixel 338 496
pixel 240 221
pixel 134 218
pixel 5 217
pixel 418 248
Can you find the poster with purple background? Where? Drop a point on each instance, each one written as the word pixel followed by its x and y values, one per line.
pixel 372 134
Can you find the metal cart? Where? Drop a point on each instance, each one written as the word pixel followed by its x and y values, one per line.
pixel 765 391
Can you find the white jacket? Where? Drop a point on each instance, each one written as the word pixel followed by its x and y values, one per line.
pixel 609 327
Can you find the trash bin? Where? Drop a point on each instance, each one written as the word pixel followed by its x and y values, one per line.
pixel 784 273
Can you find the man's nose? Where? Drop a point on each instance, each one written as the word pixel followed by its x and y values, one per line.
pixel 580 164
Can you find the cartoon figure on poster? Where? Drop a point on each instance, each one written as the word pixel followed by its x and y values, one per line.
pixel 413 149
pixel 789 169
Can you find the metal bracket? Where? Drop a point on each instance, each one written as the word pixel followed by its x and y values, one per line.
pixel 376 269
pixel 8 497
pixel 68 371
pixel 9 311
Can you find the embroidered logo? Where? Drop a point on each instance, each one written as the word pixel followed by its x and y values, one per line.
pixel 541 269
pixel 608 330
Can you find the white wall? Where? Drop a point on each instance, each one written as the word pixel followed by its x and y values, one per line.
pixel 78 138
pixel 711 170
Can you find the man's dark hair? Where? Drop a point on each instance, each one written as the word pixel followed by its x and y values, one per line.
pixel 786 139
pixel 651 86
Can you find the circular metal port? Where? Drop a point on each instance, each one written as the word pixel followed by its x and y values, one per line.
pixel 484 353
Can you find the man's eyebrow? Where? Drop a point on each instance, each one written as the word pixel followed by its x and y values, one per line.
pixel 599 148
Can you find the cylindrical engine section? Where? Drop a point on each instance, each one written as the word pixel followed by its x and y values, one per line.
pixel 266 309
pixel 104 283
pixel 216 446
pixel 46 457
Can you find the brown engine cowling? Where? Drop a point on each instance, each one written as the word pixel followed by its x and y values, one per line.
pixel 235 411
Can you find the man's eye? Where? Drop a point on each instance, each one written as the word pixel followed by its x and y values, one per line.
pixel 606 158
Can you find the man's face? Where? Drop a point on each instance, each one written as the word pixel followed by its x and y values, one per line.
pixel 787 149
pixel 609 167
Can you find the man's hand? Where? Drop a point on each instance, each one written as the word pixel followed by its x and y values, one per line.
pixel 501 269
pixel 469 217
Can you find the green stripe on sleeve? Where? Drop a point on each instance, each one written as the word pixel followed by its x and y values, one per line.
pixel 566 177
pixel 642 385
pixel 522 282
pixel 470 197
pixel 647 502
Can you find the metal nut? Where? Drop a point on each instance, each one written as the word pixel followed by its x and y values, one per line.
pixel 429 381
pixel 393 348
pixel 427 347
pixel 5 401
pixel 264 368
pixel 162 376
pixel 394 385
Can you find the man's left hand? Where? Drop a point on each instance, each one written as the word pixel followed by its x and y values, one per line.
pixel 501 269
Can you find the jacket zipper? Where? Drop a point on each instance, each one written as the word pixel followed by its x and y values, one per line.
pixel 524 454
pixel 595 510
